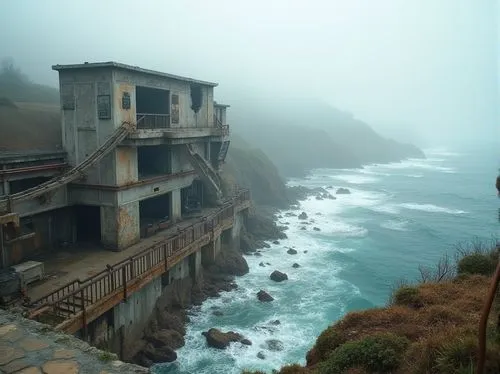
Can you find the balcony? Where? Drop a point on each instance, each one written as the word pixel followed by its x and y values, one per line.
pixel 151 121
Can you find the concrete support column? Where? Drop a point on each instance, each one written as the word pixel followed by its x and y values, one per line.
pixel 120 226
pixel 5 183
pixel 195 265
pixel 176 205
pixel 210 251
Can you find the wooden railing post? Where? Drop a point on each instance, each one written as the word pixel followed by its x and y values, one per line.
pixel 84 316
pixel 165 256
pixel 124 281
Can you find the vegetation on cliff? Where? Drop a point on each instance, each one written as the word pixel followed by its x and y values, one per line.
pixel 427 327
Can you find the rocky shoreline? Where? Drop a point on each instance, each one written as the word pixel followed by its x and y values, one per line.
pixel 166 328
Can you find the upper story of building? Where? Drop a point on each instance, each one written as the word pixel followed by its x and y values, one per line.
pixel 99 97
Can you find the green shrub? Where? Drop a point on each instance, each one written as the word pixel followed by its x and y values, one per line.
pixel 460 355
pixel 294 369
pixel 327 342
pixel 407 296
pixel 477 263
pixel 379 353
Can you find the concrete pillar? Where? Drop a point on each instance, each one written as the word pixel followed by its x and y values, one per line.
pixel 120 226
pixel 236 231
pixel 210 251
pixel 5 183
pixel 176 204
pixel 195 265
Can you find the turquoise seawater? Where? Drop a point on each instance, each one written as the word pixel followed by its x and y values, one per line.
pixel 397 217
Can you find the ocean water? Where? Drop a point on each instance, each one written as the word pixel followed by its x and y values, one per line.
pixel 397 216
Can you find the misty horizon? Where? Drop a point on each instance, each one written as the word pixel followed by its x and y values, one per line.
pixel 422 71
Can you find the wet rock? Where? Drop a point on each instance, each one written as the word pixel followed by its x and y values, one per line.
pixel 275 322
pixel 331 197
pixel 329 188
pixel 318 214
pixel 264 296
pixel 289 214
pixel 343 191
pixel 274 345
pixel 295 265
pixel 261 355
pixel 258 254
pixel 268 263
pixel 291 251
pixel 162 354
pixel 294 207
pixel 303 215
pixel 319 197
pixel 221 340
pixel 316 229
pixel 305 251
pixel 303 228
pixel 217 313
pixel 231 261
pixel 170 338
pixel 276 242
pixel 262 264
pixel 278 276
pixel 170 321
pixel 245 342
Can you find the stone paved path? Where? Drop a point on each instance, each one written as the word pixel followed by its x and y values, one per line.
pixel 28 347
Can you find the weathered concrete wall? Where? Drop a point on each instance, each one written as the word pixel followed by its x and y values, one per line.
pixel 210 251
pixel 52 229
pixel 176 205
pixel 133 314
pixel 120 225
pixel 187 117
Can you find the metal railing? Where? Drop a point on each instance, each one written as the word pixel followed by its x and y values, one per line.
pixel 153 121
pixel 219 124
pixel 77 296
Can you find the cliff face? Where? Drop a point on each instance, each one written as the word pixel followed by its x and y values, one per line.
pixel 251 168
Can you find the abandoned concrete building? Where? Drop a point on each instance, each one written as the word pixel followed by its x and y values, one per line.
pixel 140 157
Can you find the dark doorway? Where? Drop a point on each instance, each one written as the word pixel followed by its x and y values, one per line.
pixel 153 161
pixel 192 198
pixel 152 107
pixel 155 214
pixel 88 223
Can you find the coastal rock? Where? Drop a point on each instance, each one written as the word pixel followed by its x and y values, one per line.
pixel 275 322
pixel 274 345
pixel 258 254
pixel 318 214
pixel 278 276
pixel 221 340
pixel 290 214
pixel 276 242
pixel 230 261
pixel 157 355
pixel 217 313
pixel 316 229
pixel 268 263
pixel 329 188
pixel 303 228
pixel 291 251
pixel 319 197
pixel 170 321
pixel 262 264
pixel 305 251
pixel 343 191
pixel 295 265
pixel 261 355
pixel 303 215
pixel 246 342
pixel 264 296
pixel 170 338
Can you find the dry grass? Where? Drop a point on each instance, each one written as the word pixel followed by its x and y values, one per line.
pixel 30 126
pixel 441 329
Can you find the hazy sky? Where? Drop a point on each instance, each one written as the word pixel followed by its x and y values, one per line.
pixel 426 64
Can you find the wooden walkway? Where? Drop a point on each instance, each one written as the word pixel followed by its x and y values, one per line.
pixel 74 305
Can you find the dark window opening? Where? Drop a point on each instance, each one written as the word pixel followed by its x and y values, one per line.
pixel 88 223
pixel 196 97
pixel 152 107
pixel 24 184
pixel 192 198
pixel 153 161
pixel 154 214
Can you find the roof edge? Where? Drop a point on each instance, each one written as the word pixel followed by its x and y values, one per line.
pixel 117 65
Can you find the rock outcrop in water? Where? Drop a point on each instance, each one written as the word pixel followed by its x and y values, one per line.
pixel 221 340
pixel 264 296
pixel 278 276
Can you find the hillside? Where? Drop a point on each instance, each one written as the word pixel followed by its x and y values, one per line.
pixel 251 168
pixel 427 327
pixel 299 136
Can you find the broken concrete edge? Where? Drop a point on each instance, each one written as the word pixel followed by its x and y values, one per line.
pixel 69 341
